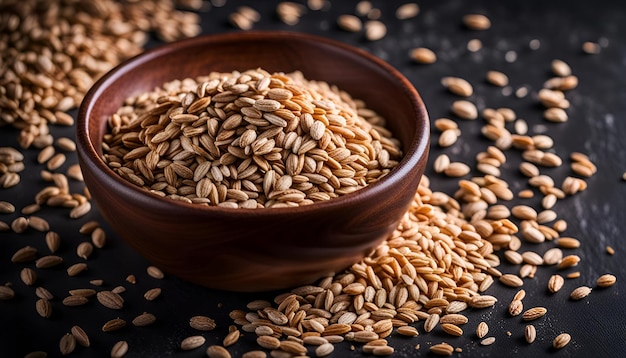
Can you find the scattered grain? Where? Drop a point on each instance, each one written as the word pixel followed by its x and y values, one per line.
pixel 476 22
pixel 375 30
pixel 407 11
pixel 43 307
pixel 67 344
pixel 119 349
pixel 442 162
pixel 110 300
pixel 555 114
pixel 572 275
pixel 423 55
pixel 408 331
pixel 591 48
pixel 349 23
pixel 155 272
pixel 202 323
pixel 530 333
pixel 569 261
pixel 144 319
pixel 458 86
pixel 216 351
pixel 192 342
pixel 41 293
pixel 48 261
pixel 6 293
pixel 464 109
pixel 28 276
pixel 80 210
pixel 113 325
pixel 580 292
pixel 497 78
pixel 6 207
pixel 452 329
pixel 442 349
pixel 474 45
pixel 516 307
pixel 98 237
pixel 448 138
pixel 534 313
pixel 555 283
pixel 606 280
pixel 561 340
pixel 511 280
pixel 73 301
pixel 482 329
pixel 76 269
pixel 81 336
pixel 457 169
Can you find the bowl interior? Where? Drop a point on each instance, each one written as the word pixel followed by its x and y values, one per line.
pixel 359 73
pixel 256 249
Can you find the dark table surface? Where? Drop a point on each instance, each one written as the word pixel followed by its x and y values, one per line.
pixel 596 127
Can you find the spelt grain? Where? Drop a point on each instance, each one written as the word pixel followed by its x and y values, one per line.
pixel 580 292
pixel 534 313
pixel 464 109
pixel 561 340
pixel 144 319
pixel 606 280
pixel 113 325
pixel 476 22
pixel 407 11
pixel 530 333
pixel 442 349
pixel 67 344
pixel 497 78
pixel 43 307
pixel 423 55
pixel 81 336
pixel 119 349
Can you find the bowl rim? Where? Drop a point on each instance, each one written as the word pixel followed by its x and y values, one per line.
pixel 411 157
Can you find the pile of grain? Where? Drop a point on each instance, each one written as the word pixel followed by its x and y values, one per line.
pixel 249 139
pixel 53 51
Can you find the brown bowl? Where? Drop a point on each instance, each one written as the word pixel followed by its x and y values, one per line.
pixel 256 249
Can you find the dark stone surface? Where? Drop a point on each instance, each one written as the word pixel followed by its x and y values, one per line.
pixel 595 216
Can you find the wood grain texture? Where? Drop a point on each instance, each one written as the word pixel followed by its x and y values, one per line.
pixel 244 249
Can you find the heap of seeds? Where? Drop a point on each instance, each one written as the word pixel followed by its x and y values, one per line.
pixel 433 267
pixel 249 139
pixel 53 51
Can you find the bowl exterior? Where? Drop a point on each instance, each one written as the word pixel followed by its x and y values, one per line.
pixel 256 249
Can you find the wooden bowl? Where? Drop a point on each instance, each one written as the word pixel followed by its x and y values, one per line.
pixel 256 249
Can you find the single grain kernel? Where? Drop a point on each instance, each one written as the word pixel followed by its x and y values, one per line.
pixel 606 280
pixel 561 340
pixel 464 109
pixel 476 22
pixel 534 313
pixel 497 78
pixel 580 292
pixel 423 55
pixel 530 333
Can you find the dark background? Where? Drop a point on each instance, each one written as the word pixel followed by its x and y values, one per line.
pixel 595 216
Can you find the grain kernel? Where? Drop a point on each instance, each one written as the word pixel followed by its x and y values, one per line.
pixel 580 292
pixel 530 333
pixel 561 340
pixel 423 55
pixel 606 280
pixel 476 22
pixel 464 109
